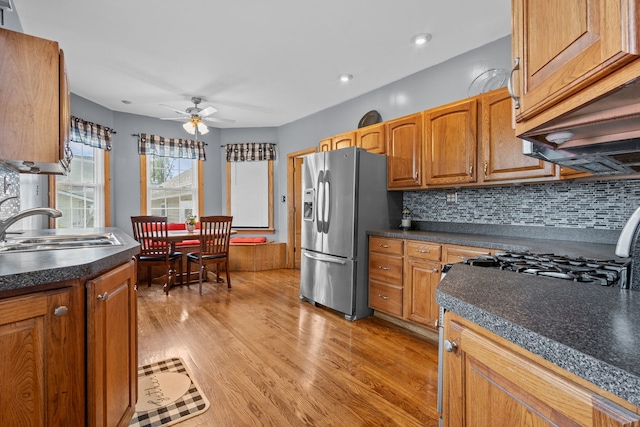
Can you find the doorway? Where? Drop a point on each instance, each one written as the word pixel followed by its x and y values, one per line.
pixel 294 205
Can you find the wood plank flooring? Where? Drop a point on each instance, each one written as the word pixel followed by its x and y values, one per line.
pixel 264 358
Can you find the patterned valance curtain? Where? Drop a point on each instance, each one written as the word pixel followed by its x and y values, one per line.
pixel 251 152
pixel 91 134
pixel 170 147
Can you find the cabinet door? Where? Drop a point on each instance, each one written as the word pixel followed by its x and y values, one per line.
pixel 451 142
pixel 404 164
pixel 421 279
pixel 453 254
pixel 344 140
pixel 42 354
pixel 325 145
pixel 372 138
pixel 112 347
pixel 29 78
pixel 488 384
pixel 502 157
pixel 590 39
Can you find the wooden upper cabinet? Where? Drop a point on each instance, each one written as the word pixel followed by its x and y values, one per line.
pixel 404 164
pixel 31 138
pixel 347 139
pixel 372 138
pixel 501 151
pixel 565 46
pixel 450 142
pixel 325 145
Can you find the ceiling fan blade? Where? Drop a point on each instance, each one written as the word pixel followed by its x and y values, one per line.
pixel 180 119
pixel 207 111
pixel 218 119
pixel 176 110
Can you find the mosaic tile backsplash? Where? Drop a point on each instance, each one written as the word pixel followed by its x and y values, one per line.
pixel 9 186
pixel 595 204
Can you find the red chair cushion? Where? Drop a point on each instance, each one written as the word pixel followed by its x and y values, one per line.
pixel 188 243
pixel 248 240
pixel 176 226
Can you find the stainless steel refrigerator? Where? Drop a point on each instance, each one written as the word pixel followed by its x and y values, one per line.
pixel 344 195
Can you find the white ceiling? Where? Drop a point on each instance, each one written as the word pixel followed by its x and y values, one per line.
pixel 261 63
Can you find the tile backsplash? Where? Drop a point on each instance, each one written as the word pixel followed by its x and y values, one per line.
pixel 9 186
pixel 592 204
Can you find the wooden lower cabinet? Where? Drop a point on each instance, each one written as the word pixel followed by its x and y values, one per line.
pixel 64 363
pixel 489 381
pixel 404 274
pixel 42 359
pixel 112 354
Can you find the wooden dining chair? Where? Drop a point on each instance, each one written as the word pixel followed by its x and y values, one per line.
pixel 155 249
pixel 215 232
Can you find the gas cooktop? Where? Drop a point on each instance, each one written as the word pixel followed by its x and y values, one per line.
pixel 577 269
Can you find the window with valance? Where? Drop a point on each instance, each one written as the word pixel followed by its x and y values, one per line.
pixel 90 134
pixel 170 147
pixel 251 151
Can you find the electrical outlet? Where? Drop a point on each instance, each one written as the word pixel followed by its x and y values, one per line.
pixel 452 198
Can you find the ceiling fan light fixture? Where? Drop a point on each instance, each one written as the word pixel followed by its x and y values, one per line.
pixel 202 128
pixel 189 127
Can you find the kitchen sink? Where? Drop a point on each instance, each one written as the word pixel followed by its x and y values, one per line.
pixel 45 243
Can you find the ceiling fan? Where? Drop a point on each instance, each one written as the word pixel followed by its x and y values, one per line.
pixel 195 116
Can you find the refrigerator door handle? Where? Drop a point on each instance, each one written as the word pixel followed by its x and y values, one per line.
pixel 323 259
pixel 319 201
pixel 327 202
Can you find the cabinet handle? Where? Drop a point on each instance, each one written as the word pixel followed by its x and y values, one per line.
pixel 383 246
pixel 450 346
pixel 422 251
pixel 486 165
pixel 61 311
pixel 516 100
pixel 416 176
pixel 103 296
pixel 384 297
pixel 471 170
pixel 460 256
pixel 383 268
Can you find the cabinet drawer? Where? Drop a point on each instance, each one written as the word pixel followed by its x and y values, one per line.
pixel 385 268
pixel 385 245
pixel 385 298
pixel 424 250
pixel 455 254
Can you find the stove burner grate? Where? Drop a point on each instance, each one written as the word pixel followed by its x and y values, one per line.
pixel 601 272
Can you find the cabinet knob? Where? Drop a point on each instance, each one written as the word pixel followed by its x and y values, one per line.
pixel 384 297
pixel 383 268
pixel 103 296
pixel 61 311
pixel 435 270
pixel 450 346
pixel 516 100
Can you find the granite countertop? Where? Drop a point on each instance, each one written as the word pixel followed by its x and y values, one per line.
pixel 589 330
pixel 21 271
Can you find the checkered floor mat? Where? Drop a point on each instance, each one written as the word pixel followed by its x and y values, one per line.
pixel 191 403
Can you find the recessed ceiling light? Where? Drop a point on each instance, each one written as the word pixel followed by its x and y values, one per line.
pixel 420 39
pixel 124 101
pixel 345 77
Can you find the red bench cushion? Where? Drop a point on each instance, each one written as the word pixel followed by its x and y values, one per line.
pixel 248 240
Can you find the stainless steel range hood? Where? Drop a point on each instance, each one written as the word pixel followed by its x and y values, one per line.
pixel 601 138
pixel 610 158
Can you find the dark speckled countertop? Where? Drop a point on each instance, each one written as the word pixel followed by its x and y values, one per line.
pixel 591 331
pixel 20 272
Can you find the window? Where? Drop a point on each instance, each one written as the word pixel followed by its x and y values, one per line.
pixel 81 195
pixel 250 196
pixel 171 186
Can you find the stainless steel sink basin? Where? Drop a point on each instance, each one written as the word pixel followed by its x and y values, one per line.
pixel 45 243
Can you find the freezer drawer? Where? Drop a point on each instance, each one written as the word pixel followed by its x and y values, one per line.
pixel 329 281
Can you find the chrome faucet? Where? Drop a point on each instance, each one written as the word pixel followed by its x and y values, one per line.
pixel 6 223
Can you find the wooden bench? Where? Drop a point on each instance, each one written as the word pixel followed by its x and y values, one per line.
pixel 257 256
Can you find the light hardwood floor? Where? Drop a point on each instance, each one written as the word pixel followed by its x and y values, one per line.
pixel 264 358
